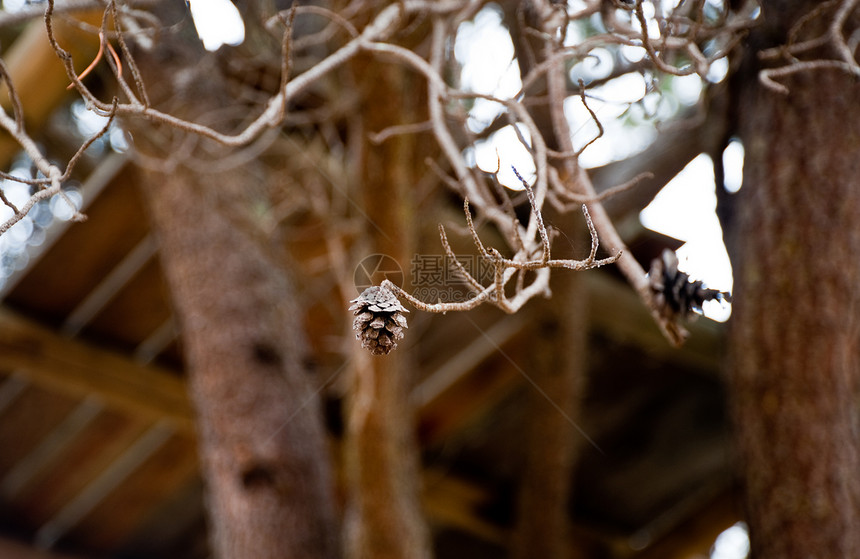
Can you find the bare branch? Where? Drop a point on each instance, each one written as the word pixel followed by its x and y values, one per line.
pixel 522 263
pixel 834 37
pixel 17 110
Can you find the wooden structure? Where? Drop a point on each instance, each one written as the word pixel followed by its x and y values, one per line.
pixel 97 440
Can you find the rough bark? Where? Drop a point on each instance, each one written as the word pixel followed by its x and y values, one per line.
pixel 557 371
pixel 384 518
pixel 262 442
pixel 795 342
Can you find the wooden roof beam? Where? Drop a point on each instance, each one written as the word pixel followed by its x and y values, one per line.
pixel 616 312
pixel 80 369
pixel 10 549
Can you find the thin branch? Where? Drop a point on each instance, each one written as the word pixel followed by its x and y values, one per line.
pixel 78 154
pixel 271 116
pixel 453 258
pixel 34 10
pixel 286 53
pixel 833 37
pixel 399 130
pixel 132 65
pixel 767 75
pixel 94 63
pixel 528 258
pixel 652 52
pixel 593 116
pixel 14 98
pixel 537 215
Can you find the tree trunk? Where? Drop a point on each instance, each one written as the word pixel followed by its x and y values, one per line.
pixel 795 342
pixel 558 375
pixel 262 441
pixel 385 519
pixel 261 436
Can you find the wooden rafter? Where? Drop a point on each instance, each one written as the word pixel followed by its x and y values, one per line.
pixel 80 369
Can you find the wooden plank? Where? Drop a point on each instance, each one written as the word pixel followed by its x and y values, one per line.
pixel 110 286
pixel 79 369
pixel 616 311
pixel 143 297
pixel 467 401
pixel 107 482
pixel 694 536
pixel 83 460
pixel 13 550
pixel 171 528
pixel 455 502
pixel 87 252
pixel 49 448
pixel 485 344
pixel 165 472
pixel 33 414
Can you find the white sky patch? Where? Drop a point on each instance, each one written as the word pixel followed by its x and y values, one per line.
pixel 485 50
pixel 685 210
pixel 633 54
pixel 653 25
pixel 609 102
pixel 597 65
pixel 719 70
pixel 688 89
pixel 510 152
pixel 733 163
pixel 217 22
pixel 628 88
pixel 87 121
pixel 486 53
pixel 733 543
pixel 14 5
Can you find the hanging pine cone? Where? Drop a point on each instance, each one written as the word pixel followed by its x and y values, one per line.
pixel 379 320
pixel 675 293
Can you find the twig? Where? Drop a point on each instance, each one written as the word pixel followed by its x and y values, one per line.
pixel 286 54
pixel 593 116
pixel 273 113
pixel 17 109
pixel 132 65
pixel 767 75
pixel 397 130
pixel 833 37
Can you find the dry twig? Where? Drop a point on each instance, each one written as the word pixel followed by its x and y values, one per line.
pixel 834 37
pixel 684 33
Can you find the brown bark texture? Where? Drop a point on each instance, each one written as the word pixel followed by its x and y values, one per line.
pixel 557 380
pixel 262 441
pixel 384 518
pixel 795 338
pixel 261 437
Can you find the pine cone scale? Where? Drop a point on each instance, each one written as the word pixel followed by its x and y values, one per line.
pixel 675 293
pixel 379 320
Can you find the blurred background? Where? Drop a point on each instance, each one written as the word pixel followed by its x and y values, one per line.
pixel 571 428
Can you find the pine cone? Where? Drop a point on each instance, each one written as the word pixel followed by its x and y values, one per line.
pixel 379 320
pixel 675 293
